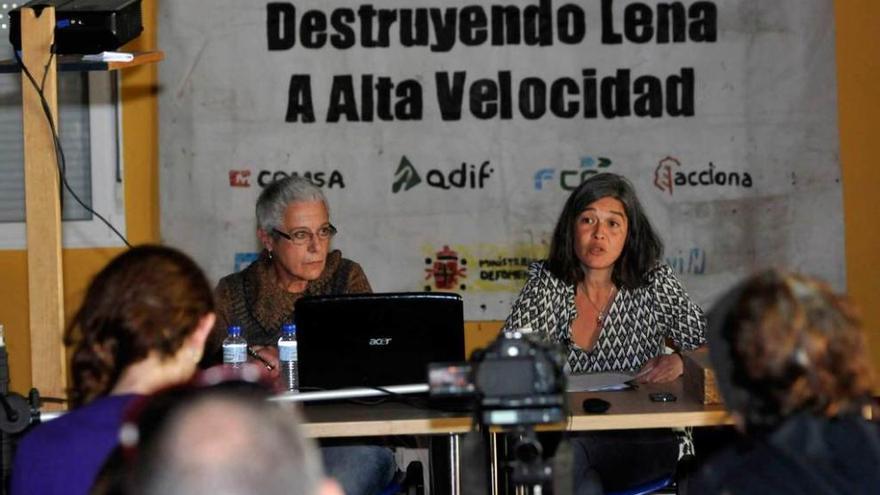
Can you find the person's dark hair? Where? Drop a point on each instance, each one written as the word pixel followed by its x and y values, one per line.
pixel 149 298
pixel 642 248
pixel 786 343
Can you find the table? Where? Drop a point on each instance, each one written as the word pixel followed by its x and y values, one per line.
pixel 630 409
pixel 633 409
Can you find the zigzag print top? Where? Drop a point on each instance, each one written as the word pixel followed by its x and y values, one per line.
pixel 634 330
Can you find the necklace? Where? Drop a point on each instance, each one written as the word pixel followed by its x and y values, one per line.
pixel 600 316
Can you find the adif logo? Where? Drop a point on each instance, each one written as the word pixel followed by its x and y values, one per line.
pixel 405 177
pixel 465 176
pixel 380 341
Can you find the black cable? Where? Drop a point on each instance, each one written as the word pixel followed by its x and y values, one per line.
pixel 390 394
pixel 60 160
pixel 42 91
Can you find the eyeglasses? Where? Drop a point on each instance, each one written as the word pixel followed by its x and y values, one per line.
pixel 300 237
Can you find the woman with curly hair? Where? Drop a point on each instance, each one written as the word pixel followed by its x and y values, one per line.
pixel 789 356
pixel 142 327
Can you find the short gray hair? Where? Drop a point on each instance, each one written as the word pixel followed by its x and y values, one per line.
pixel 279 194
pixel 232 446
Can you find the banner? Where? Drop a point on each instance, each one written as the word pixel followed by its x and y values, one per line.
pixel 447 135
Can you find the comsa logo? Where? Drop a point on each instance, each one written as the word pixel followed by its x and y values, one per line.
pixel 320 178
pixel 239 178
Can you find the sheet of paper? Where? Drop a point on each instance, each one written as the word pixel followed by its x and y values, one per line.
pixel 598 382
pixel 109 57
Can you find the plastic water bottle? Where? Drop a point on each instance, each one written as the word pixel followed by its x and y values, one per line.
pixel 234 347
pixel 287 357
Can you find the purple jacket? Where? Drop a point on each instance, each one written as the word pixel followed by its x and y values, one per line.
pixel 64 455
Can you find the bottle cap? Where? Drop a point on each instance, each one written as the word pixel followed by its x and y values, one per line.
pixel 234 330
pixel 288 328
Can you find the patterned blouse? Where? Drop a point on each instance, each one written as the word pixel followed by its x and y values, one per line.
pixel 635 327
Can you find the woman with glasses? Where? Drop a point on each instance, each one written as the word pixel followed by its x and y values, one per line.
pixel 142 327
pixel 293 224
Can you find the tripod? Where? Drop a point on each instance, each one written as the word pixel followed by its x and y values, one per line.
pixel 530 472
pixel 16 414
pixel 526 470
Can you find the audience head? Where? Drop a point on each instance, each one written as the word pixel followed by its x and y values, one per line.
pixel 227 439
pixel 148 302
pixel 294 226
pixel 782 344
pixel 641 246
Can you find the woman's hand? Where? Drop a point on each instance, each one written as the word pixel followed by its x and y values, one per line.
pixel 661 369
pixel 268 358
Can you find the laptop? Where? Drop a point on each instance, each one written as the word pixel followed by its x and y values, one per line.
pixel 359 341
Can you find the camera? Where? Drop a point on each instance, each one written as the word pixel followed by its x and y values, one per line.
pixel 513 384
pixel 516 380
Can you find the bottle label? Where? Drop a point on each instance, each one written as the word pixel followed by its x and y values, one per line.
pixel 287 351
pixel 234 353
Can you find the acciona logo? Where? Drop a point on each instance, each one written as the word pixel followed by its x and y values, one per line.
pixel 670 175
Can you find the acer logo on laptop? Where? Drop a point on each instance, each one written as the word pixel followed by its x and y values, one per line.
pixel 380 341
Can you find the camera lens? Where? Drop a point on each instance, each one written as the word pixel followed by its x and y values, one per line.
pixel 527 449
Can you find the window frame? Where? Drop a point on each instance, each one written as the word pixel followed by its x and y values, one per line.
pixel 107 172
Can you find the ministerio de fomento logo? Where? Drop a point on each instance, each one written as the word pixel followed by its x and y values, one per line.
pixel 671 175
pixel 465 176
pixel 445 270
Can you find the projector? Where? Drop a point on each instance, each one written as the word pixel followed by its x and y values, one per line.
pixel 85 26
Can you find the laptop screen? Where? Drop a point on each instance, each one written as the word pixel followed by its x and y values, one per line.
pixel 378 339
